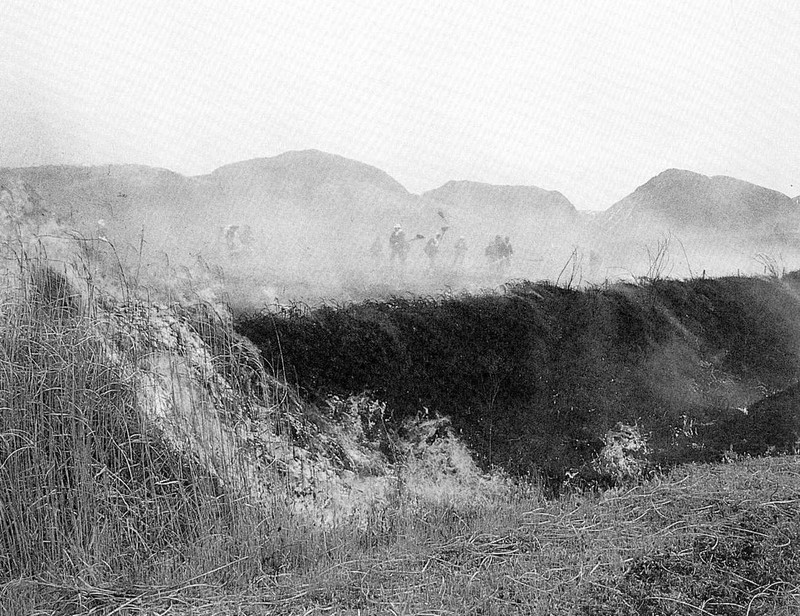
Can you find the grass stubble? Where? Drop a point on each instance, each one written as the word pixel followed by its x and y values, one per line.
pixel 99 515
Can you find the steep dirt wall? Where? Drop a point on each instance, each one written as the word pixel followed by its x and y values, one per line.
pixel 535 376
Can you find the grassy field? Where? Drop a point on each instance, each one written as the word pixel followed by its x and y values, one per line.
pixel 705 539
pixel 708 539
pixel 103 512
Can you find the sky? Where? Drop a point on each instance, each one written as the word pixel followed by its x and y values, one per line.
pixel 590 98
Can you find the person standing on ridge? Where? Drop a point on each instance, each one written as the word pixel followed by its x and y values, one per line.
pixel 231 235
pixel 398 245
pixel 495 252
pixel 432 249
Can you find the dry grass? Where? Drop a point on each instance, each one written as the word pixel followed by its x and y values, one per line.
pixel 715 539
pixel 99 515
pixel 591 553
pixel 94 502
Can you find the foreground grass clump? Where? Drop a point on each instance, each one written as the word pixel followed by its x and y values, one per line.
pixel 91 491
pixel 82 475
pixel 105 509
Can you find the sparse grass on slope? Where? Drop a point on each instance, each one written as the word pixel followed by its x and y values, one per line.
pixel 723 539
pixel 103 510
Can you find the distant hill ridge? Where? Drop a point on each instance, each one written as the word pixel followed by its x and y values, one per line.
pixel 675 193
pixel 687 200
pixel 114 172
pixel 293 200
pixel 314 211
pixel 505 197
pixel 306 167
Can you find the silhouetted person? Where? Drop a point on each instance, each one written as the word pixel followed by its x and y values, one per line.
pixel 230 238
pixel 507 250
pixel 399 245
pixel 432 249
pixel 495 252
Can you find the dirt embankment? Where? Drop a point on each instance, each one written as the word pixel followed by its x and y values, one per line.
pixel 533 378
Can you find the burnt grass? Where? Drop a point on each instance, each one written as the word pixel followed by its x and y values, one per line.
pixel 532 377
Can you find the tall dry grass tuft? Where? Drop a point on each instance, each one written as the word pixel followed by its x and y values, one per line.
pixel 98 506
pixel 101 506
pixel 85 484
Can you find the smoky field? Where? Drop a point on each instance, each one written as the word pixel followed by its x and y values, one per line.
pixel 538 449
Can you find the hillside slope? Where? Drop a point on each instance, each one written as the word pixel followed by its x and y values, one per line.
pixel 309 171
pixel 549 206
pixel 311 217
pixel 306 224
pixel 682 200
pixel 150 464
pixel 719 224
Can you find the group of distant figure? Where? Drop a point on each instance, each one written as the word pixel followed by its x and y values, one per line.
pixel 238 241
pixel 498 253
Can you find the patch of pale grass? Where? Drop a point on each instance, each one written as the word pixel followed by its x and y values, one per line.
pixel 579 554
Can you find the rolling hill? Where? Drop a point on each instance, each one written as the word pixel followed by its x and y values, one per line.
pixel 315 217
pixel 683 201
pixel 322 221
pixel 717 224
pixel 311 213
pixel 311 173
pixel 512 204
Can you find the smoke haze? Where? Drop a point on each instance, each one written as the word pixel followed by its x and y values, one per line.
pixel 310 226
pixel 590 99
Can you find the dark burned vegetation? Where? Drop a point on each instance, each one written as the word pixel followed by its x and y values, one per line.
pixel 535 376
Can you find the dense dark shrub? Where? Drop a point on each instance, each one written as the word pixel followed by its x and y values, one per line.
pixel 753 321
pixel 533 377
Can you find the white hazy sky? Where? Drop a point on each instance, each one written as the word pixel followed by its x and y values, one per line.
pixel 591 98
